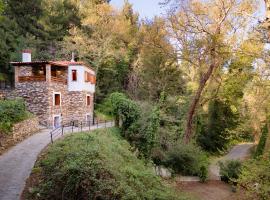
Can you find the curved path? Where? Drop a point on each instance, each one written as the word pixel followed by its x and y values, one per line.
pixel 238 152
pixel 17 163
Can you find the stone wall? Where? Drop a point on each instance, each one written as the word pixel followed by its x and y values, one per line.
pixel 8 94
pixel 36 97
pixel 78 108
pixel 25 128
pixel 63 108
pixel 25 71
pixel 73 104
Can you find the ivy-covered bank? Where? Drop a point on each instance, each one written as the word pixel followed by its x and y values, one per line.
pixel 153 130
pixel 96 165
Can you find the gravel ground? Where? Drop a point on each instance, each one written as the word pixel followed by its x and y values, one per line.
pixel 17 163
pixel 211 190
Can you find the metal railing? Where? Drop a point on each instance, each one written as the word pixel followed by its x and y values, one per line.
pixel 79 126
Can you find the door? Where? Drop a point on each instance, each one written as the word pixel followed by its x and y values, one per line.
pixel 57 122
pixel 88 120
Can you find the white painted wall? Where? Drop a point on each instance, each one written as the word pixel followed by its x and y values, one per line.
pixel 80 84
pixel 26 57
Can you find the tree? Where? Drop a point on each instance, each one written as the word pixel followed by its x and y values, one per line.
pixel 221 119
pixel 156 67
pixel 27 14
pixel 107 40
pixel 205 34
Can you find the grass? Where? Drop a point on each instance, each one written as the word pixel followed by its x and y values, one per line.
pixel 102 116
pixel 96 165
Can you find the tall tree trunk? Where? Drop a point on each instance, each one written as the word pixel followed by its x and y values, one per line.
pixel 196 98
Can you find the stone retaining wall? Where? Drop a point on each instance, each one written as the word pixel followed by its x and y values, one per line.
pixel 7 94
pixel 25 128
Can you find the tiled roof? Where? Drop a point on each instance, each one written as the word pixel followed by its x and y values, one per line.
pixel 65 63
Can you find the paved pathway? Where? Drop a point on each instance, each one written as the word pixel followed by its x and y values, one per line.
pixel 238 152
pixel 17 163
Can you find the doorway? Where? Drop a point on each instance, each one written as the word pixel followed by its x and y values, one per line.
pixel 56 121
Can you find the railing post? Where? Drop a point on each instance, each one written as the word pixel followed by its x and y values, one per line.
pixel 51 138
pixel 105 123
pixel 62 130
pixel 81 126
pixel 72 126
pixel 97 123
pixel 89 124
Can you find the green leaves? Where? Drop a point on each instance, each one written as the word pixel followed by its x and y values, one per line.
pixel 255 178
pixel 11 111
pixel 261 146
pixel 214 135
pixel 102 167
pixel 187 160
pixel 230 170
pixel 124 109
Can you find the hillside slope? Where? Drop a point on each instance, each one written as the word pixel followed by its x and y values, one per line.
pixel 96 165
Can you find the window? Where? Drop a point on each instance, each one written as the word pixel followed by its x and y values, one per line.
pixel 87 76
pixel 88 100
pixel 74 75
pixel 57 99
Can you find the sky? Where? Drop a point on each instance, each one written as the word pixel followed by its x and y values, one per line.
pixel 146 8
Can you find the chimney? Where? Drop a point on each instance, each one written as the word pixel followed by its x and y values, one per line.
pixel 26 55
pixel 72 57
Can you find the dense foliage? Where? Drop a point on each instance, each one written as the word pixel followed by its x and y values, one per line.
pixel 125 110
pixel 221 118
pixel 96 166
pixel 261 145
pixel 11 111
pixel 254 178
pixel 230 170
pixel 187 160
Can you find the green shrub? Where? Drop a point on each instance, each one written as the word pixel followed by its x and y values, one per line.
pixel 187 160
pixel 230 170
pixel 261 146
pixel 254 179
pixel 124 110
pixel 11 111
pixel 215 133
pixel 97 165
pixel 143 132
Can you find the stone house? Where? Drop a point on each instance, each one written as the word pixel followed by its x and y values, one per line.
pixel 55 91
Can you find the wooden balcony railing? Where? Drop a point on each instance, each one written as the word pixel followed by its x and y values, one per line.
pixel 31 78
pixel 41 78
pixel 58 80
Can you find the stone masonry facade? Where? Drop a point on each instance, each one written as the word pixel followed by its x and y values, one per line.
pixel 73 104
pixel 36 98
pixel 39 98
